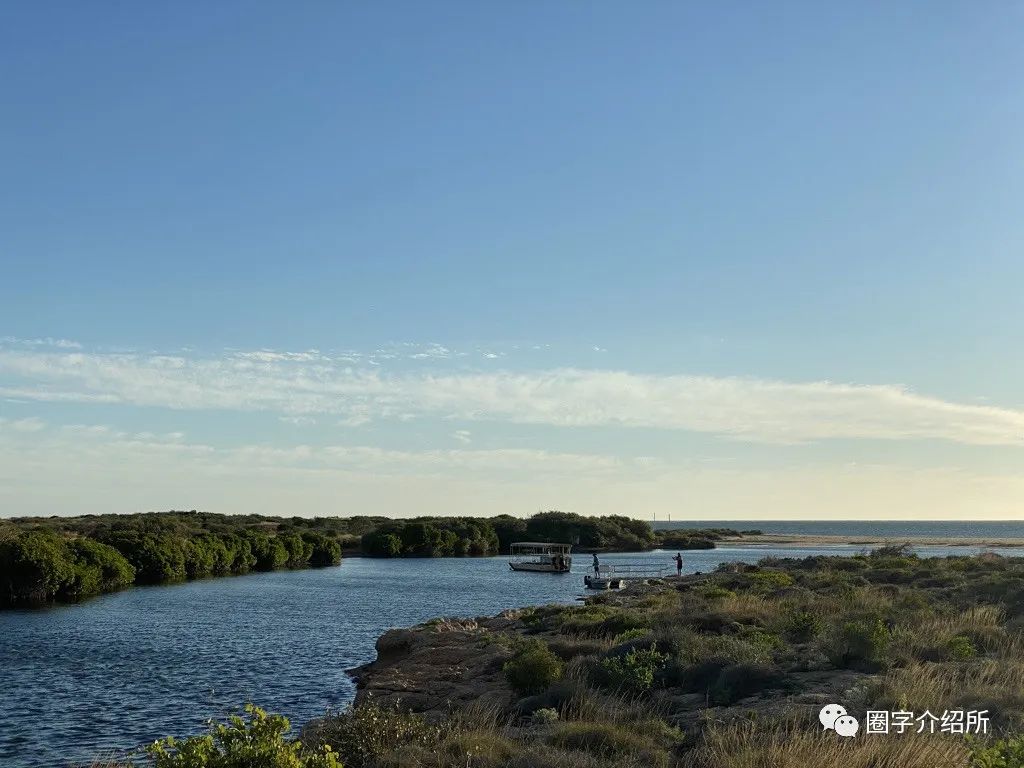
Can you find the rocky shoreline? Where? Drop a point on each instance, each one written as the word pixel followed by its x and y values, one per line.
pixel 445 666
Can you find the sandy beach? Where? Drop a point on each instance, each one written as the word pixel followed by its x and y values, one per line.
pixel 780 539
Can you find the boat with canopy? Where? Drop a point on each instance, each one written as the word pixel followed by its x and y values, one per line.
pixel 540 557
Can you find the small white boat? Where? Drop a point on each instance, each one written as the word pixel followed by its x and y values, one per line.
pixel 540 557
pixel 615 576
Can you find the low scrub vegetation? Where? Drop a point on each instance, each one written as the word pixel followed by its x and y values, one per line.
pixel 258 739
pixel 533 668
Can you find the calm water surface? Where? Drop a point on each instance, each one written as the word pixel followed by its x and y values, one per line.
pixel 121 670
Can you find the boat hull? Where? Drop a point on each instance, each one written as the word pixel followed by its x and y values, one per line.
pixel 536 568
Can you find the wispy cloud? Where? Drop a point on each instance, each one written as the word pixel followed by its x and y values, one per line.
pixel 46 342
pixel 303 384
pixel 298 421
pixel 91 443
pixel 31 424
pixel 95 468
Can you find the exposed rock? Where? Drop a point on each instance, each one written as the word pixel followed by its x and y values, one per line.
pixel 437 667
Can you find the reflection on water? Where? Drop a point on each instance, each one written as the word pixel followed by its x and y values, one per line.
pixel 121 670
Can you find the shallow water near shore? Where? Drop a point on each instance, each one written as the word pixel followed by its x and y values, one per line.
pixel 109 674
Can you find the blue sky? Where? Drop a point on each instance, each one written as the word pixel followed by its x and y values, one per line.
pixel 702 259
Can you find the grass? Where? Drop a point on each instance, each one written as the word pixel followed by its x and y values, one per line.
pixel 752 745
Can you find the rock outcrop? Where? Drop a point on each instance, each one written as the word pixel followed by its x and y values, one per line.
pixel 439 666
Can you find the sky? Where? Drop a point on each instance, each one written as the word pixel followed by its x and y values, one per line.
pixel 698 260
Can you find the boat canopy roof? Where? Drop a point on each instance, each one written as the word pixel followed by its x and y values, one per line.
pixel 541 545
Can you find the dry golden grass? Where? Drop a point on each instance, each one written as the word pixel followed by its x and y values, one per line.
pixel 749 745
pixel 747 608
pixel 928 637
pixel 449 624
pixel 995 685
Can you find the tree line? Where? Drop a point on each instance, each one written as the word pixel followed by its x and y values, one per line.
pixel 64 559
pixel 68 558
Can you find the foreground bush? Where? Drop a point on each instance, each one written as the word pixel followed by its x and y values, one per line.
pixel 361 736
pixel 632 671
pixel 1005 753
pixel 256 741
pixel 533 668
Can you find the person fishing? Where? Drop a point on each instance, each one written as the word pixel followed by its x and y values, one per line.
pixel 679 563
pixel 596 564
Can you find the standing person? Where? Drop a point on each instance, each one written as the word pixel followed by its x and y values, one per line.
pixel 679 563
pixel 596 571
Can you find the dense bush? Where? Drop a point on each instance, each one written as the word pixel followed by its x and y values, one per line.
pixel 68 558
pixel 323 550
pixel 98 568
pixel 35 566
pixel 633 671
pixel 611 532
pixel 683 540
pixel 361 735
pixel 382 543
pixel 802 625
pixel 861 644
pixel 432 537
pixel 533 668
pixel 38 566
pixel 1004 753
pixel 256 741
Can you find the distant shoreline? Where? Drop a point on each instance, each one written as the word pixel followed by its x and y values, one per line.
pixel 811 540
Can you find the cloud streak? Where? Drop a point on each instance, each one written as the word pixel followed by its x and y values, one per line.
pixel 308 384
pixel 50 469
pixel 87 444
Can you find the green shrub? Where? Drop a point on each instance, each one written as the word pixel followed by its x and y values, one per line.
pixel 544 716
pixel 35 566
pixel 324 550
pixel 961 648
pixel 623 621
pixel 770 581
pixel 363 734
pixel 569 648
pixel 630 634
pixel 726 648
pixel 1005 753
pixel 802 626
pixel 715 592
pixel 532 669
pixel 382 544
pixel 258 740
pixel 99 568
pixel 862 643
pixel 633 671
pixel 582 620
